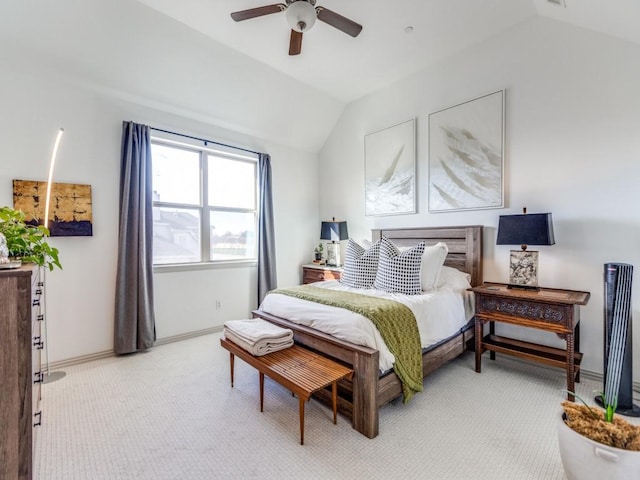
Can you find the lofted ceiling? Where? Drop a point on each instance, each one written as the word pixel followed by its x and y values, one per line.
pixel 190 58
pixel 398 38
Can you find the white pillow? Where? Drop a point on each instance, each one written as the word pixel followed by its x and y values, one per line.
pixel 432 262
pixel 453 278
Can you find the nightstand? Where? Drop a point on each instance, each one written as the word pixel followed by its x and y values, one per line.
pixel 551 310
pixel 313 272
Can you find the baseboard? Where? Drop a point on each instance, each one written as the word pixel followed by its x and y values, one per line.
pixel 53 366
pixel 110 353
pixel 186 336
pixel 585 373
pixel 599 377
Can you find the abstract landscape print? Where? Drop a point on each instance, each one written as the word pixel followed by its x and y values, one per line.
pixel 390 170
pixel 70 209
pixel 466 155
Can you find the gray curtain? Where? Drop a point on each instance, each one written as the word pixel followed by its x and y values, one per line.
pixel 266 239
pixel 135 327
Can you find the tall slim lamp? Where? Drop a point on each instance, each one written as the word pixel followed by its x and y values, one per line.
pixel 50 376
pixel 334 232
pixel 525 229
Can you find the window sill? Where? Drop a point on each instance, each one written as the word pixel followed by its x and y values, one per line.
pixel 192 267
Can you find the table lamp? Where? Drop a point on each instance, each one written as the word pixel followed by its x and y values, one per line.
pixel 335 232
pixel 525 229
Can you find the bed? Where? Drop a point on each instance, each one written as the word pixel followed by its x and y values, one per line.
pixel 361 398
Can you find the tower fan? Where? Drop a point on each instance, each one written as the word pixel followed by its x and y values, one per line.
pixel 618 355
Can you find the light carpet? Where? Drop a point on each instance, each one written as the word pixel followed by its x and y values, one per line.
pixel 170 413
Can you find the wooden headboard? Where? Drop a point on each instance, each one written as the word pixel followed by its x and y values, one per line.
pixel 464 243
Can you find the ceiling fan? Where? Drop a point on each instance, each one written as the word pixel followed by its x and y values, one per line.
pixel 301 15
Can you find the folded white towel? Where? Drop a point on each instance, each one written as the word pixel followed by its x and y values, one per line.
pixel 258 336
pixel 257 329
pixel 261 347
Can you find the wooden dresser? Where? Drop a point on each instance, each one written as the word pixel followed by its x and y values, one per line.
pixel 313 272
pixel 20 373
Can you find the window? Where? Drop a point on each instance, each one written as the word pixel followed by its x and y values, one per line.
pixel 204 204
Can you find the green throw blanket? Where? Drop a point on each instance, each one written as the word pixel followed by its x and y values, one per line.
pixel 395 321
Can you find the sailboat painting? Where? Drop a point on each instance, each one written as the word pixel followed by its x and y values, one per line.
pixel 390 170
pixel 466 155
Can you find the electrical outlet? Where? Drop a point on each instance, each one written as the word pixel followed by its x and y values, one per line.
pixel 218 305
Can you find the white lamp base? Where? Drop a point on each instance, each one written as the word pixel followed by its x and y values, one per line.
pixel 333 254
pixel 523 269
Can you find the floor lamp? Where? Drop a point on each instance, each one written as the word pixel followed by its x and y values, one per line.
pixel 49 376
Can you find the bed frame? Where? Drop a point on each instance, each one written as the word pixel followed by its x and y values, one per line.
pixel 361 398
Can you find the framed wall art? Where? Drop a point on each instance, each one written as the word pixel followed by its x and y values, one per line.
pixel 390 170
pixel 466 155
pixel 70 212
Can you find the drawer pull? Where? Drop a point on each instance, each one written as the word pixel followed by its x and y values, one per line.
pixel 38 417
pixel 40 284
pixel 38 343
pixel 38 377
pixel 38 291
pixel 36 302
pixel 40 317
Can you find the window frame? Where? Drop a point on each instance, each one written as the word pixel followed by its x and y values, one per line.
pixel 205 210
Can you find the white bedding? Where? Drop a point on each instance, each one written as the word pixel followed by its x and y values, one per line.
pixel 439 315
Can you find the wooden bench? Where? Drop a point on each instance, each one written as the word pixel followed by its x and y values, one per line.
pixel 295 368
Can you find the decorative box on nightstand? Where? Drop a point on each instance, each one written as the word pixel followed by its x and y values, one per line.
pixel 314 272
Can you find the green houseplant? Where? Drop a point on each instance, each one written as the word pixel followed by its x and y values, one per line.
pixel 27 242
pixel 318 252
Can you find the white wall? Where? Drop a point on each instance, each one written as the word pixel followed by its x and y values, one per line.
pixel 132 50
pixel 572 148
pixel 87 66
pixel 80 299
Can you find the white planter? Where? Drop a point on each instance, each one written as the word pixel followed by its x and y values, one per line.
pixel 584 459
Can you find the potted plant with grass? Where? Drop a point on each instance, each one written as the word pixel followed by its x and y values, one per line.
pixel 27 243
pixel 318 252
pixel 594 443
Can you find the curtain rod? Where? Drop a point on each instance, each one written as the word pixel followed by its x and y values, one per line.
pixel 205 140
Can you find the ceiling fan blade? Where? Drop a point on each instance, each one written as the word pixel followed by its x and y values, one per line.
pixel 338 21
pixel 295 44
pixel 258 12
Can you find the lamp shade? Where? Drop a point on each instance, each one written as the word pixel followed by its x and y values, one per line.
pixel 334 231
pixel 526 229
pixel 301 15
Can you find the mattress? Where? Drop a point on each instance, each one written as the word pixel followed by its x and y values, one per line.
pixel 439 314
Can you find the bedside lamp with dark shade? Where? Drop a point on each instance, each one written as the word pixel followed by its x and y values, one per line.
pixel 525 229
pixel 335 232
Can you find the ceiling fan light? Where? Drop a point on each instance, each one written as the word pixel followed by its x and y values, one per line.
pixel 301 16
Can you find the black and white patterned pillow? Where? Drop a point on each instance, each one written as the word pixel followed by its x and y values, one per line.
pixel 399 272
pixel 360 265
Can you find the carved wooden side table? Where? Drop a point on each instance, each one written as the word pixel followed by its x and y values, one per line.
pixel 551 310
